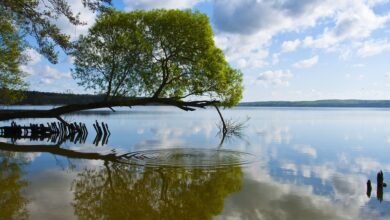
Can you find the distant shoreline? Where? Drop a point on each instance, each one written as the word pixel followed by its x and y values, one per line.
pixel 55 99
pixel 331 103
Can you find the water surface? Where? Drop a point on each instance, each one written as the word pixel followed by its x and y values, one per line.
pixel 310 163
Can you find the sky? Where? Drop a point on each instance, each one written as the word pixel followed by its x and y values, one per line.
pixel 286 49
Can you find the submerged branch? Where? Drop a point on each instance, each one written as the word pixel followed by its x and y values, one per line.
pixel 224 128
pixel 232 128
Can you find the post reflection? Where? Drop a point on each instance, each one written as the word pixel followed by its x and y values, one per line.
pixel 369 189
pixel 120 191
pixel 379 186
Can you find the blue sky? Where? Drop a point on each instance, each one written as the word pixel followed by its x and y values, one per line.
pixel 287 49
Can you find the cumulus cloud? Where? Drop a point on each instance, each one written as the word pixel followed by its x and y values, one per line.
pixel 355 20
pixel 33 56
pixel 277 77
pixel 46 81
pixel 244 26
pixel 240 48
pixel 306 63
pixel 151 4
pixel 52 73
pixel 373 47
pixel 288 46
pixel 87 16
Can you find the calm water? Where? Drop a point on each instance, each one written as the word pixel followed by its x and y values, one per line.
pixel 309 164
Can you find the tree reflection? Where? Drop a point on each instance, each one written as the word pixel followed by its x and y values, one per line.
pixel 12 202
pixel 120 191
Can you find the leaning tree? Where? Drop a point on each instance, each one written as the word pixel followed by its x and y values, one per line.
pixel 150 57
pixel 158 54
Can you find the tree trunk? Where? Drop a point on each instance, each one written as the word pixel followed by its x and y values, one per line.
pixel 57 112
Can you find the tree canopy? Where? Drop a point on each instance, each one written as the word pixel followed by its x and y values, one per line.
pixel 22 21
pixel 11 57
pixel 36 19
pixel 158 54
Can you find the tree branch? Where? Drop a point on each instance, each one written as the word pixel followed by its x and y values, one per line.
pixel 224 128
pixel 57 112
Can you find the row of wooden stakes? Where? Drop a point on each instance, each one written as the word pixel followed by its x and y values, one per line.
pixel 55 132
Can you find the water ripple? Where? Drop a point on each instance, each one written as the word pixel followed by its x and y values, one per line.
pixel 189 157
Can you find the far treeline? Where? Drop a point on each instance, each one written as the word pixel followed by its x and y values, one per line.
pixel 49 98
pixel 350 103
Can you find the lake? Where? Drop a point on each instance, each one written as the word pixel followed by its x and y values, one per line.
pixel 288 163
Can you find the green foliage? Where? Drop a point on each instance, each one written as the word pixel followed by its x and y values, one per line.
pixel 159 53
pixel 20 19
pixel 37 19
pixel 11 57
pixel 130 192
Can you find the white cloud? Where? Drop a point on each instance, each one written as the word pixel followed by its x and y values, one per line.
pixel 354 76
pixel 255 60
pixel 372 47
pixel 244 26
pixel 355 20
pixel 151 4
pixel 87 16
pixel 275 58
pixel 53 73
pixel 33 55
pixel 288 46
pixel 277 77
pixel 33 59
pixel 46 81
pixel 306 63
pixel 240 48
pixel 359 65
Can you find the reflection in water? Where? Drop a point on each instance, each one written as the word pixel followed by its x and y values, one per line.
pixel 56 133
pixel 379 186
pixel 193 189
pixel 12 202
pixel 188 157
pixel 230 129
pixel 121 191
pixel 369 188
pixel 330 162
pixel 53 132
pixel 102 133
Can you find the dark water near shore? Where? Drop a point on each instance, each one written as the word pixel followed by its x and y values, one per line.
pixel 290 163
